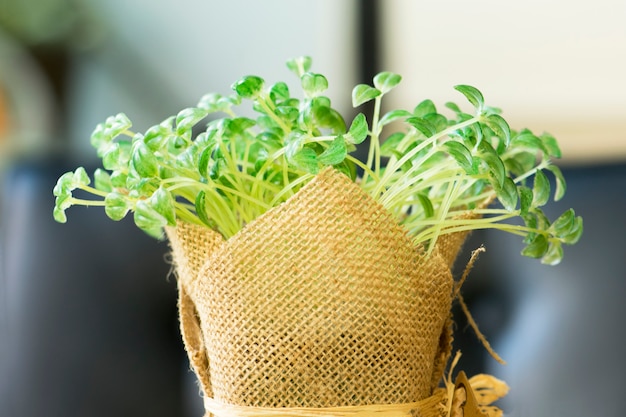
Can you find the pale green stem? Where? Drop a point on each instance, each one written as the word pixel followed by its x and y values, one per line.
pixel 531 172
pixel 269 110
pixel 478 225
pixel 289 189
pixel 391 168
pixel 443 212
pixel 373 155
pixel 82 202
pixel 92 190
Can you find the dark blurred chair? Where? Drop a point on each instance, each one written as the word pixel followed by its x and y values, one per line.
pixel 88 314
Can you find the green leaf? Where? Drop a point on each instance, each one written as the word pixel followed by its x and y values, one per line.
pixel 386 81
pixel 237 126
pixel 155 137
pixel 80 177
pixel 201 209
pixel 59 215
pixel 348 168
pixel 526 199
pixel 112 157
pixel 64 201
pixel 299 65
pixel 551 145
pixel 561 185
pixel 327 117
pixel 493 161
pixel 473 136
pixel 148 219
pixel 473 95
pixel 294 142
pixel 214 102
pixel 423 108
pixel 530 141
pixel 102 180
pixel 162 202
pixel 249 86
pixel 306 159
pixel 119 124
pixel 114 126
pixel 564 224
pixel 437 120
pixel 104 133
pixel 288 114
pixel 116 206
pixel 209 102
pixel 554 254
pixel 393 116
pixel 508 194
pixel 140 187
pixel 575 234
pixel 64 185
pixel 427 205
pixel 530 220
pixel 537 248
pixel 461 155
pixel 144 161
pixel 306 115
pixel 335 153
pixel 279 92
pixel 313 84
pixel 543 222
pixel 499 126
pixel 391 144
pixel 422 125
pixel 98 139
pixel 70 181
pixel 358 129
pixel 521 163
pixel 118 179
pixel 454 107
pixel 541 189
pixel 186 119
pixel 363 93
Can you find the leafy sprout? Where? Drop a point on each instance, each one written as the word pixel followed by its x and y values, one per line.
pixel 436 174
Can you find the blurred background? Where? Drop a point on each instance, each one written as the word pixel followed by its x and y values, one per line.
pixel 88 322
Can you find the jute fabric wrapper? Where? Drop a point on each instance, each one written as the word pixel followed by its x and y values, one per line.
pixel 323 301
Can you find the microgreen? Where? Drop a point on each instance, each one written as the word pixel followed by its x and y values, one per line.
pixel 437 173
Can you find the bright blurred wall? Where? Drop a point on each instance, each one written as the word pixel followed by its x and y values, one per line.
pixel 552 66
pixel 154 61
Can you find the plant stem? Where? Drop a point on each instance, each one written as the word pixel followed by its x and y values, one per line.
pixel 477 224
pixel 373 155
pixel 93 190
pixel 82 202
pixel 395 166
pixel 443 212
pixel 269 110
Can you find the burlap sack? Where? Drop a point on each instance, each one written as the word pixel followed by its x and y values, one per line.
pixel 323 301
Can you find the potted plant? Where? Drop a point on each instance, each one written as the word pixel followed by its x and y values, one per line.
pixel 311 281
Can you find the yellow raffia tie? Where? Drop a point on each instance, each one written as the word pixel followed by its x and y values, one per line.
pixel 485 390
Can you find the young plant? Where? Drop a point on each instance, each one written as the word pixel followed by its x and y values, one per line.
pixel 437 174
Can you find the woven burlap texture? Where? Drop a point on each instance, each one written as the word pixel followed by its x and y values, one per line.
pixel 323 301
